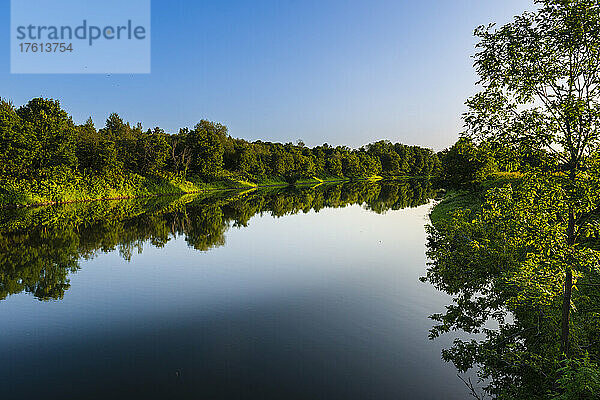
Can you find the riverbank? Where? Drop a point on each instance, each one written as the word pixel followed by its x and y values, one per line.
pixel 469 199
pixel 30 193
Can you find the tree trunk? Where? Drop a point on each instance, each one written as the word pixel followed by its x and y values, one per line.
pixel 566 311
pixel 568 291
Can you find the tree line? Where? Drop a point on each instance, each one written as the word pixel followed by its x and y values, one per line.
pixel 40 140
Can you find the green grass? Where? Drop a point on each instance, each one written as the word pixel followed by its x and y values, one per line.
pixel 452 201
pixel 470 199
pixel 85 188
pixel 224 183
pixel 281 181
pixel 308 181
pixel 500 179
pixel 272 180
pixel 81 187
pixel 317 181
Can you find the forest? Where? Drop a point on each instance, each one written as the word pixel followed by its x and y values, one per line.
pixel 46 157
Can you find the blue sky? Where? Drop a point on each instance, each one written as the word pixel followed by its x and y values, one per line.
pixel 341 72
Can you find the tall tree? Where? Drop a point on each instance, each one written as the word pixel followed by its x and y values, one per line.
pixel 206 145
pixel 15 157
pixel 51 135
pixel 541 89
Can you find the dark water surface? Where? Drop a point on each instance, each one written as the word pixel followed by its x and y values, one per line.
pixel 286 294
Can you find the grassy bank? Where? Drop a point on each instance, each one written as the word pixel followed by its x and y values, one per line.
pixel 472 198
pixel 88 188
pixel 452 201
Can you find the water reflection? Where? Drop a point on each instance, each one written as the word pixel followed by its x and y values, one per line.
pixel 41 247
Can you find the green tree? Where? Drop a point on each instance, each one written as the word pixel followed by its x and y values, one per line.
pixel 39 140
pixel 15 154
pixel 152 150
pixel 334 164
pixel 50 134
pixel 95 152
pixel 350 165
pixel 541 90
pixel 205 142
pixel 506 262
pixel 120 133
pixel 466 164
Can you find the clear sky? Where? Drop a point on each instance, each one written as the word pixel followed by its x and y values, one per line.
pixel 342 72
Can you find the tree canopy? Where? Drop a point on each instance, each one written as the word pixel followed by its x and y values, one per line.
pixel 40 140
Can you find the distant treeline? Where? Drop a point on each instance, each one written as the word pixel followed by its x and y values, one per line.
pixel 40 140
pixel 468 163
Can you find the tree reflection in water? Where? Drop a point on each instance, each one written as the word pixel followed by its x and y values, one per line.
pixel 40 247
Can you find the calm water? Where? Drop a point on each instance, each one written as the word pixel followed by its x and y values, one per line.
pixel 294 294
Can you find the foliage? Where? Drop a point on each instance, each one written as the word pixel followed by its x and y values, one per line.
pixel 580 379
pixel 505 261
pixel 541 93
pixel 465 164
pixel 526 262
pixel 45 157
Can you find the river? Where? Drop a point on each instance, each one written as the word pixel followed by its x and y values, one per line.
pixel 308 293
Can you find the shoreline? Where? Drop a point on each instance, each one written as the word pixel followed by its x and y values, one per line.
pixel 209 189
pixel 471 198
